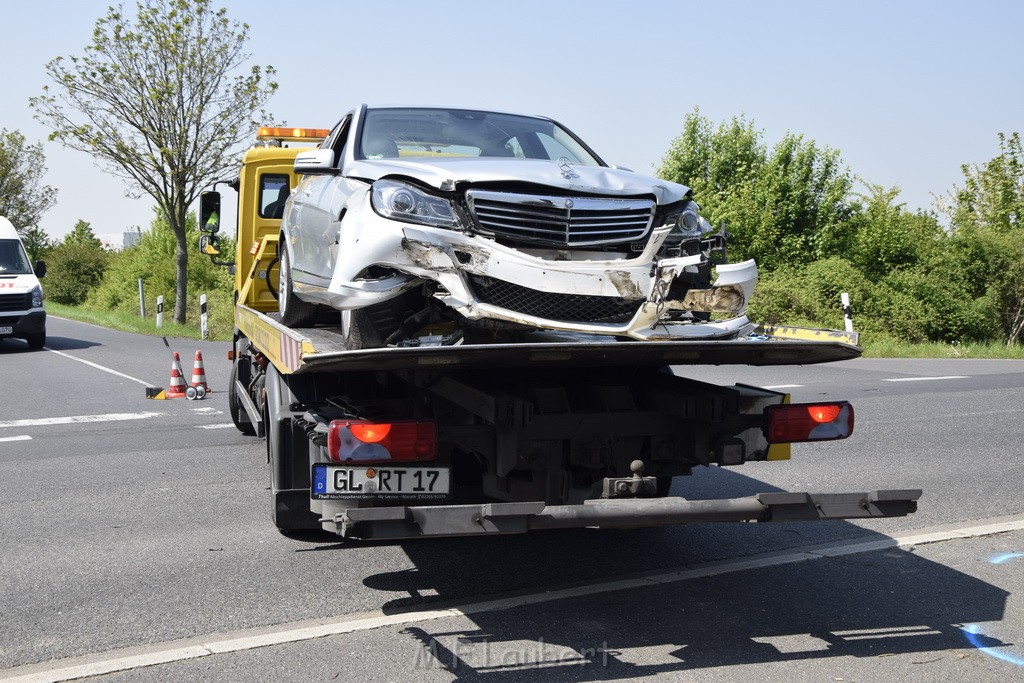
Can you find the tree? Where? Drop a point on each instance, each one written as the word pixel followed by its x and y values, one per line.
pixel 23 197
pixel 987 220
pixel 82 234
pixel 162 101
pixel 37 242
pixel 76 266
pixel 887 237
pixel 789 205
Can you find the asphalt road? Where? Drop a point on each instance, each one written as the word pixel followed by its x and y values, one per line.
pixel 138 528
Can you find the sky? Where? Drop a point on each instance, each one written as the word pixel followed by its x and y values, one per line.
pixel 907 91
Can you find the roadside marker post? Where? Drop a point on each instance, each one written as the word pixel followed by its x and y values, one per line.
pixel 204 318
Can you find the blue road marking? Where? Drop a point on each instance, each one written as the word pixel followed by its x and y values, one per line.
pixel 1000 559
pixel 976 637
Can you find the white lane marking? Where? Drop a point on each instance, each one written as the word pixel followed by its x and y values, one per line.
pixel 20 437
pixel 73 419
pixel 99 367
pixel 220 426
pixel 785 386
pixel 924 379
pixel 134 658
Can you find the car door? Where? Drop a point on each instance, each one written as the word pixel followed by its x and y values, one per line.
pixel 310 230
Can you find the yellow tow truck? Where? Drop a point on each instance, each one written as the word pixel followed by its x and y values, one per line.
pixel 548 431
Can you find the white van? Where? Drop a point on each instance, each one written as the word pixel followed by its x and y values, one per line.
pixel 21 295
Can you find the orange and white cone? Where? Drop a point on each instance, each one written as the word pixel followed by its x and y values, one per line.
pixel 199 373
pixel 177 388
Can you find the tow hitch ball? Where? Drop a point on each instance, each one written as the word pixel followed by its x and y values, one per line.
pixel 637 486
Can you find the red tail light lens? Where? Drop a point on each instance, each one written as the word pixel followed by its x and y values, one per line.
pixel 361 441
pixel 796 422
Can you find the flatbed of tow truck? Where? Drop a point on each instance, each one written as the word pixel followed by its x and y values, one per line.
pixel 317 349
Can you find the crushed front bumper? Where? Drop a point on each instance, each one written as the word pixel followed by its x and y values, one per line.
pixel 624 297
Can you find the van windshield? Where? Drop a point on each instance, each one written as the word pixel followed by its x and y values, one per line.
pixel 13 259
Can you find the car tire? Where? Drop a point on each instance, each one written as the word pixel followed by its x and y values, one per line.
pixel 36 341
pixel 294 311
pixel 358 331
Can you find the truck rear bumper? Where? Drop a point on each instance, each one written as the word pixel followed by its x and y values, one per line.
pixel 515 518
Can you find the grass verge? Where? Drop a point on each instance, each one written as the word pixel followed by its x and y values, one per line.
pixel 128 322
pixel 890 348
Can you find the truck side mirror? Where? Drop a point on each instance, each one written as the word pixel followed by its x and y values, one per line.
pixel 40 269
pixel 209 212
pixel 209 245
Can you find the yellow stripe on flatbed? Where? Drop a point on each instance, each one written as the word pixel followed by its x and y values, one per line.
pixel 807 334
pixel 284 347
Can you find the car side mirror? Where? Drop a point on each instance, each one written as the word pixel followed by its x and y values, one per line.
pixel 40 269
pixel 315 162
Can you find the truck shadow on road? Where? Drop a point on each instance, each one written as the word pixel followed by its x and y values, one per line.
pixel 53 343
pixel 875 604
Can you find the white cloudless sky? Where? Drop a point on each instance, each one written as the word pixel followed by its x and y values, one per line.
pixel 907 91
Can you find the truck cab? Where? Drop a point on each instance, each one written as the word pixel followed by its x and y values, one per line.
pixel 21 295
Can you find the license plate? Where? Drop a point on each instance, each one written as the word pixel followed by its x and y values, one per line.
pixel 6 330
pixel 346 481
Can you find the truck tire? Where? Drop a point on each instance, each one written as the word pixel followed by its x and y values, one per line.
pixel 294 311
pixel 289 464
pixel 238 414
pixel 36 341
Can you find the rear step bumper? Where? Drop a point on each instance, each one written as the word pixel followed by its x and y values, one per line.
pixel 516 518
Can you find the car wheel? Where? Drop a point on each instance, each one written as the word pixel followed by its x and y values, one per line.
pixel 294 311
pixel 36 341
pixel 358 331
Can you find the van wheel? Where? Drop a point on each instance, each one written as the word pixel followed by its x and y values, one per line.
pixel 36 341
pixel 294 311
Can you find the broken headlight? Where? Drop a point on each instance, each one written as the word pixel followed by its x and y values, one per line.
pixel 408 203
pixel 686 223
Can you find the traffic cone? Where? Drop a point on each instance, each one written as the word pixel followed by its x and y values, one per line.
pixel 177 388
pixel 199 373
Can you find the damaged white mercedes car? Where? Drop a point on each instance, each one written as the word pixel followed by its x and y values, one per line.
pixel 463 222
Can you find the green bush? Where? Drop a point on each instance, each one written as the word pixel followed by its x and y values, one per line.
pixel 73 270
pixel 938 308
pixel 809 295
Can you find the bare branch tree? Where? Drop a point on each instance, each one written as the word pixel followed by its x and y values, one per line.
pixel 162 100
pixel 23 197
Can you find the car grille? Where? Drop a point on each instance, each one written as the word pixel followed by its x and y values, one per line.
pixel 561 307
pixel 15 302
pixel 560 221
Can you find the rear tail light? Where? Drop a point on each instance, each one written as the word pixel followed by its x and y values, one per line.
pixel 359 441
pixel 795 422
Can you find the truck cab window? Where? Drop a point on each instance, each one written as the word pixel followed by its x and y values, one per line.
pixel 274 191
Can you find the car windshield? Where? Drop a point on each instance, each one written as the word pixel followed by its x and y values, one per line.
pixel 407 133
pixel 13 260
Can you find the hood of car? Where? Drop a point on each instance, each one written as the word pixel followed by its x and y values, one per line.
pixel 440 172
